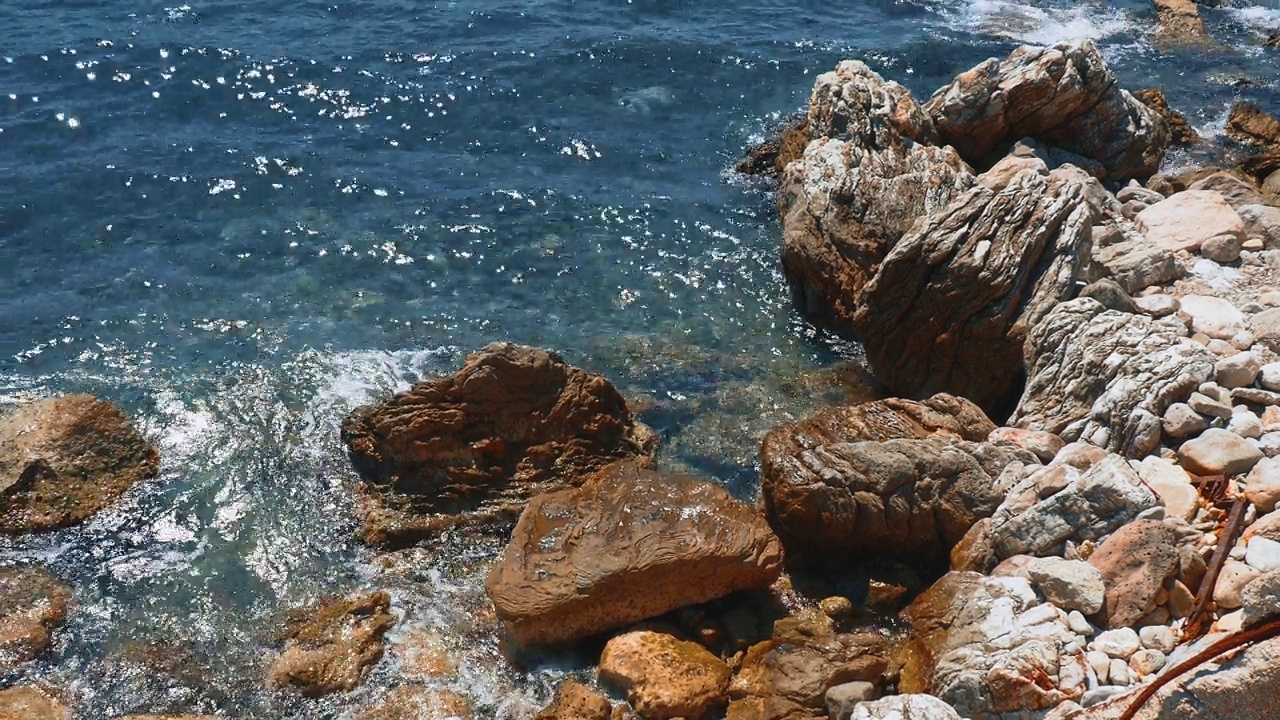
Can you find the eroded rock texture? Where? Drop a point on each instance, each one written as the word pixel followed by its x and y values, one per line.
pixel 63 459
pixel 629 544
pixel 1107 377
pixel 1063 96
pixel 870 172
pixel 473 448
pixel 331 647
pixel 32 604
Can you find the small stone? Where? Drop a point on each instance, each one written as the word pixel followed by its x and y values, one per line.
pixel 1270 419
pixel 1239 370
pixel 841 699
pixel 1181 600
pixel 1213 407
pixel 1069 584
pixel 1271 298
pixel 1100 663
pixel 1222 249
pixel 1243 340
pixel 1221 348
pixel 1269 444
pixel 1255 396
pixel 1270 376
pixel 1133 191
pixel 1245 423
pixel 1181 421
pixel 1157 637
pixel 836 607
pixel 1215 391
pixel 1079 624
pixel 1230 622
pixel 1218 452
pixel 1172 484
pixel 1262 484
pixel 1158 305
pixel 1119 643
pixel 1212 316
pixel 1145 662
pixel 664 677
pixel 1231 580
pixel 1263 554
pixel 1118 672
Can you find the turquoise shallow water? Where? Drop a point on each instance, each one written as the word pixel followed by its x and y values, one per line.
pixel 238 220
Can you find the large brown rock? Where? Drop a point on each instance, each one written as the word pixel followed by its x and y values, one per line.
pixel 871 171
pixel 474 447
pixel 802 672
pixel 1063 96
pixel 663 676
pixel 32 604
pixel 1252 125
pixel 828 481
pixel 951 304
pixel 331 647
pixel 629 544
pixel 63 459
pixel 1106 377
pixel 1135 562
pixel 26 702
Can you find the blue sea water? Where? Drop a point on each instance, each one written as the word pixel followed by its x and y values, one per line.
pixel 240 219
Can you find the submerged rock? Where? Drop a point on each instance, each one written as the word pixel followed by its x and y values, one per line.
pixel 412 702
pixel 1179 24
pixel 575 701
pixel 663 676
pixel 628 545
pixel 330 647
pixel 32 604
pixel 1062 96
pixel 1107 377
pixel 25 702
pixel 473 448
pixel 63 459
pixel 888 478
pixel 870 172
pixel 951 304
pixel 771 157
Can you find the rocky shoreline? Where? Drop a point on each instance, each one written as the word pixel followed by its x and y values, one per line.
pixel 1068 494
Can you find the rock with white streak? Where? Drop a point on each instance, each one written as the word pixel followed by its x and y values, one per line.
pixel 1212 316
pixel 1186 220
pixel 1107 377
pixel 905 707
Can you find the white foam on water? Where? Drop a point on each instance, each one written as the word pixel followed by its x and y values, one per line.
pixel 1262 17
pixel 1036 25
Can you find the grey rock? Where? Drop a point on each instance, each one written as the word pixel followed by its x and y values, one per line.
pixel 1209 406
pixel 1270 376
pixel 1266 328
pixel 1239 370
pixel 1181 421
pixel 842 699
pixel 1136 264
pixel 1107 377
pixel 1262 221
pixel 1158 305
pixel 1069 584
pixel 904 707
pixel 1235 191
pixel 1260 599
pixel 1137 192
pixel 1224 248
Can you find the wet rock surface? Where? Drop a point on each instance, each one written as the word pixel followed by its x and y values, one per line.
pixel 663 676
pixel 32 604
pixel 25 702
pixel 575 701
pixel 332 646
pixel 803 672
pixel 474 447
pixel 629 544
pixel 63 459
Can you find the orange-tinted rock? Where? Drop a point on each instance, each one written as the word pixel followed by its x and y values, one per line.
pixel 32 604
pixel 1135 563
pixel 771 708
pixel 1252 125
pixel 474 447
pixel 803 672
pixel 25 702
pixel 1179 24
pixel 412 702
pixel 576 701
pixel 663 676
pixel 629 544
pixel 63 459
pixel 330 647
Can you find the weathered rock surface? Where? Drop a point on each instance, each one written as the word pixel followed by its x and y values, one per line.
pixel 474 447
pixel 32 604
pixel 870 172
pixel 1063 503
pixel 331 647
pixel 575 701
pixel 413 702
pixel 65 458
pixel 905 707
pixel 1107 377
pixel 1135 562
pixel 952 302
pixel 1064 97
pixel 779 150
pixel 804 672
pixel 1069 584
pixel 771 708
pixel 1179 23
pixel 1237 192
pixel 25 702
pixel 1252 125
pixel 986 645
pixel 1186 220
pixel 1218 452
pixel 663 676
pixel 1136 265
pixel 1181 132
pixel 629 544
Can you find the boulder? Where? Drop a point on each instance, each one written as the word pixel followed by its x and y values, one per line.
pixel 1218 452
pixel 1260 599
pixel 32 604
pixel 871 171
pixel 952 302
pixel 1043 445
pixel 1238 370
pixel 1135 562
pixel 905 707
pixel 1061 503
pixel 1263 221
pixel 803 672
pixel 842 699
pixel 63 459
pixel 26 702
pixel 474 447
pixel 987 646
pixel 1063 96
pixel 783 146
pixel 1107 377
pixel 627 545
pixel 665 677
pixel 576 701
pixel 331 646
pixel 1251 125
pixel 1184 221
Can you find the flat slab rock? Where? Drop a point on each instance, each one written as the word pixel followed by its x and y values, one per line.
pixel 628 545
pixel 32 604
pixel 474 447
pixel 63 459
